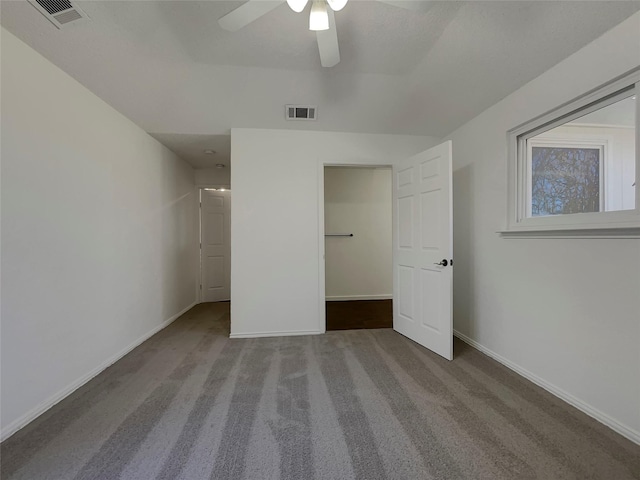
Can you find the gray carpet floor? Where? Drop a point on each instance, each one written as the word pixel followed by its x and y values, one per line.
pixel 366 404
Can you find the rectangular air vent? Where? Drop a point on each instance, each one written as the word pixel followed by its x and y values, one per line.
pixel 301 112
pixel 59 12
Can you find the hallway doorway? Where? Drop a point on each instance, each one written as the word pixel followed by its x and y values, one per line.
pixel 215 244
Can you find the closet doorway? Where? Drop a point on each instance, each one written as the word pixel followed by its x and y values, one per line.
pixel 358 247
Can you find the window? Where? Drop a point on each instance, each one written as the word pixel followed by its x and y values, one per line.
pixel 565 177
pixel 573 170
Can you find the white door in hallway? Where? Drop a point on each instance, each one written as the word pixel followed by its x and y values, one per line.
pixel 215 238
pixel 422 249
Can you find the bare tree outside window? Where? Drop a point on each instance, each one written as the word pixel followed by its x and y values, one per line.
pixel 565 180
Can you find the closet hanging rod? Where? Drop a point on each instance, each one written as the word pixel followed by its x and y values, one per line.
pixel 338 234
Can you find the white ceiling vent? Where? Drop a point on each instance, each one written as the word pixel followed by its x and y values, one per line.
pixel 59 12
pixel 301 112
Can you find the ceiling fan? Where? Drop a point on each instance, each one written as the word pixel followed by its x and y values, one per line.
pixel 321 20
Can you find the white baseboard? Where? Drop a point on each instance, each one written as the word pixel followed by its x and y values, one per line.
pixel 602 417
pixel 344 298
pixel 276 334
pixel 32 414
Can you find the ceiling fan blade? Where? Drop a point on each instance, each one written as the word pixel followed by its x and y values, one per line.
pixel 247 13
pixel 414 5
pixel 328 43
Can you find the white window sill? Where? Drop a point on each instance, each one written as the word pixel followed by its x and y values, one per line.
pixel 585 232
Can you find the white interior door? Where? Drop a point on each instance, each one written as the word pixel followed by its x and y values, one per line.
pixel 422 249
pixel 215 254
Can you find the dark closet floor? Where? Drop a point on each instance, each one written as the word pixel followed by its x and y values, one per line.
pixel 357 314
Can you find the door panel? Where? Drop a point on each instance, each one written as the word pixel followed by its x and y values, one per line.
pixel 422 288
pixel 214 229
pixel 430 205
pixel 405 298
pixel 405 222
pixel 215 216
pixel 215 272
pixel 430 282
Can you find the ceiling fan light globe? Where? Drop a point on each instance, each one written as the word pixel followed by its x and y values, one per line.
pixel 297 5
pixel 337 5
pixel 318 18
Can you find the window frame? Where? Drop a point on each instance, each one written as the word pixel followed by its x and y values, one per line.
pixel 620 223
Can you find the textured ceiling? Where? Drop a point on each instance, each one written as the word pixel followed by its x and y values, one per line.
pixel 169 67
pixel 371 34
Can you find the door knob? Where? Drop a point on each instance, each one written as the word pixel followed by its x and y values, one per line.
pixel 443 263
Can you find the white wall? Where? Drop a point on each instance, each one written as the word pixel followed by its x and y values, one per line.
pixel 277 285
pixel 564 311
pixel 358 200
pixel 98 234
pixel 212 177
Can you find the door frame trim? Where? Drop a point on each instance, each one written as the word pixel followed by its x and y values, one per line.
pixel 199 280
